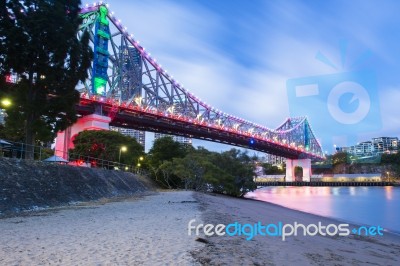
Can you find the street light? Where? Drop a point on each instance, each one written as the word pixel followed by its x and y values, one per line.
pixel 122 149
pixel 6 102
pixel 138 162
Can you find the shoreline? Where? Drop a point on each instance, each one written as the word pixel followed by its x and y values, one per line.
pixel 338 220
pixel 153 230
pixel 303 250
pixel 365 206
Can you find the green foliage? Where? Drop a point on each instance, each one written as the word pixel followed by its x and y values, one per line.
pixel 196 169
pixel 43 153
pixel 175 166
pixel 160 158
pixel 165 149
pixel 16 118
pixel 106 145
pixel 270 169
pixel 12 134
pixel 38 42
pixel 236 173
pixel 165 175
pixel 340 158
pixel 230 172
pixel 391 158
pixel 394 161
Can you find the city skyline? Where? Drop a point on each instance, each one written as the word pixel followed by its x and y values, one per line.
pixel 239 57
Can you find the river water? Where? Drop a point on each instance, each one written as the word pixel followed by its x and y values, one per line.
pixel 360 205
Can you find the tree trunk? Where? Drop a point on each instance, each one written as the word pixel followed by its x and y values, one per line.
pixel 29 134
pixel 29 140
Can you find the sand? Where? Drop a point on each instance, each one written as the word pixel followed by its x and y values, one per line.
pixel 147 231
pixel 153 230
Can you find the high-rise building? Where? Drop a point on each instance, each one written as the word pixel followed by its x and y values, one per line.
pixel 139 135
pixel 274 159
pixel 376 146
pixel 386 144
pixel 365 148
pixel 180 139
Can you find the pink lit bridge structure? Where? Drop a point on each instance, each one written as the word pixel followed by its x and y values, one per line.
pixel 128 88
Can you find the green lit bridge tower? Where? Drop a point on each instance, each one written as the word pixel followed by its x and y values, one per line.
pixel 100 53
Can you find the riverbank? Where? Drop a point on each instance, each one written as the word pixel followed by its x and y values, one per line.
pixel 325 184
pixel 359 205
pixel 295 250
pixel 153 230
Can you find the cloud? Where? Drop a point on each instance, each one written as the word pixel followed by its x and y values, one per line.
pixel 389 103
pixel 240 64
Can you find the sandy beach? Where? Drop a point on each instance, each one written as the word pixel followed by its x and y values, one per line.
pixel 153 230
pixel 150 230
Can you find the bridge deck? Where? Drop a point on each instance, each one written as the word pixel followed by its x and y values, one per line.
pixel 153 122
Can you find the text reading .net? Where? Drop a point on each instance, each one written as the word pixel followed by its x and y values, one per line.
pixel 280 230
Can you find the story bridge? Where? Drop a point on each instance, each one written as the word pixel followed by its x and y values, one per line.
pixel 128 88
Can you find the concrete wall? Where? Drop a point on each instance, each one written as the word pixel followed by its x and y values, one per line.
pixel 28 185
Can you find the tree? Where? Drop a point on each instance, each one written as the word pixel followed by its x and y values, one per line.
pixel 160 158
pixel 195 169
pixel 391 158
pixel 270 169
pixel 38 43
pixel 165 149
pixel 106 145
pixel 238 171
pixel 340 158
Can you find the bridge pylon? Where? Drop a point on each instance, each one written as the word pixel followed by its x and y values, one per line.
pixel 292 163
pixel 64 140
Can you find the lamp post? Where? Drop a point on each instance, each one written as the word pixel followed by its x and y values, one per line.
pixel 122 149
pixel 138 162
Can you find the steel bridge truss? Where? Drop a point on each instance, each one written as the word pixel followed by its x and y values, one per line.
pixel 137 85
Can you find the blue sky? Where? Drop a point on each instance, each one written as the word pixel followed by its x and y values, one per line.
pixel 238 56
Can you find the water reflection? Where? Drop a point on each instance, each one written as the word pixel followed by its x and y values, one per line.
pixel 388 193
pixel 362 205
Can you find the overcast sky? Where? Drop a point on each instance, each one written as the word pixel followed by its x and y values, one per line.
pixel 248 58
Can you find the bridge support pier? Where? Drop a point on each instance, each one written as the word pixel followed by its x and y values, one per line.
pixel 291 164
pixel 64 140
